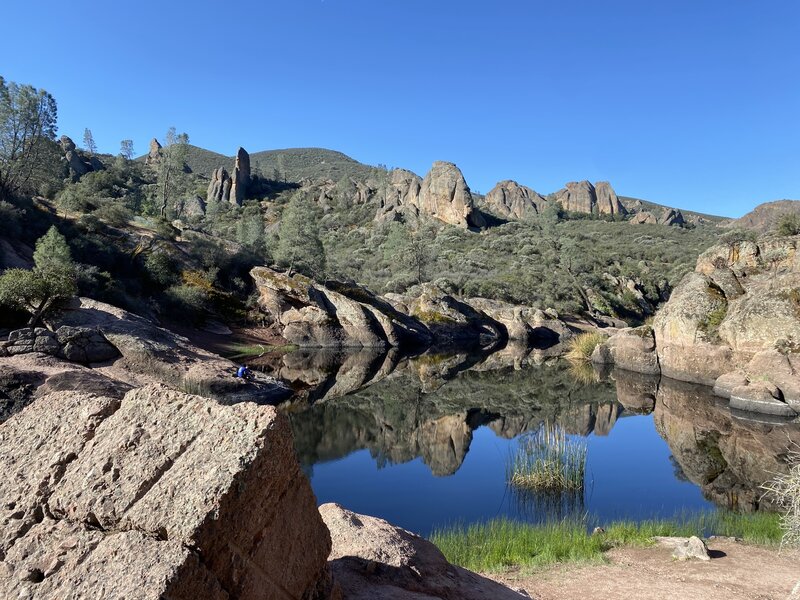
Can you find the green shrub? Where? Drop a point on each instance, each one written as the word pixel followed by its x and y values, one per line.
pixel 789 224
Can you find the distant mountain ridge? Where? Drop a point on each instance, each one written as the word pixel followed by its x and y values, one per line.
pixel 766 216
pixel 319 164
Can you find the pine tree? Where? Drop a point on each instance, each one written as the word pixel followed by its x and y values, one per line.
pixel 51 280
pixel 299 245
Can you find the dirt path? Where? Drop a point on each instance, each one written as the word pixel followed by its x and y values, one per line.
pixel 736 572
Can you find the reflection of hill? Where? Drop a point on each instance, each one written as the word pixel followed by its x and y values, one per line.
pixel 728 457
pixel 404 416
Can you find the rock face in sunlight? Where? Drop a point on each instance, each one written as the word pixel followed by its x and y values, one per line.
pixel 734 323
pixel 400 199
pixel 375 559
pixel 583 197
pixel 445 195
pixel 143 497
pixel 241 177
pixel 510 200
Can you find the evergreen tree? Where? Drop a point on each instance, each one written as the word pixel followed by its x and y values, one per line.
pixel 51 280
pixel 299 245
pixel 171 167
pixel 28 152
pixel 88 141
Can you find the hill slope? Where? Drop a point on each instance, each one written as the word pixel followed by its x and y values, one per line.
pixel 764 217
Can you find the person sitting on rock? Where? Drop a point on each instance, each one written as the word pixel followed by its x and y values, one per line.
pixel 244 373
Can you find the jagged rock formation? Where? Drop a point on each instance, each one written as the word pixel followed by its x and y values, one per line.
pixel 219 188
pixel 583 197
pixel 510 200
pixel 444 194
pixel 230 188
pixel 76 162
pixel 143 498
pixel 154 153
pixel 241 177
pixel 399 563
pixel 337 315
pixel 644 217
pixel 400 197
pixel 670 216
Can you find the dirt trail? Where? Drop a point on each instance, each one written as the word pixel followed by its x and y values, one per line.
pixel 736 572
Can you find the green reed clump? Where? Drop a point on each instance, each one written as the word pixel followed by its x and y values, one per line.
pixel 548 460
pixel 582 345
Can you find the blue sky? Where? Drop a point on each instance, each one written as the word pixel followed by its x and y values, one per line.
pixel 690 103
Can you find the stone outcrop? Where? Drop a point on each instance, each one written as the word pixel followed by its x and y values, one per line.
pixel 143 497
pixel 153 153
pixel 150 353
pixel 765 217
pixel 510 200
pixel 219 188
pixel 241 177
pixel 444 195
pixel 735 322
pixel 400 198
pixel 371 558
pixel 77 163
pixel 643 217
pixel 77 344
pixel 524 324
pixel 336 315
pixel 632 349
pixel 583 197
pixel 193 206
pixel 670 217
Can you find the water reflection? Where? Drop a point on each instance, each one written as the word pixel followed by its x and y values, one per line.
pixel 429 407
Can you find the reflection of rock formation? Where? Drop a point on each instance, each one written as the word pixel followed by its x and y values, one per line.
pixel 728 457
pixel 403 415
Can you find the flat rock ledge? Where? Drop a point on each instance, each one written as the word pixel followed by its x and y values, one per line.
pixel 156 495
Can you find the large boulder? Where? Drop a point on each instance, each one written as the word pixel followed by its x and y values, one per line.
pixel 143 498
pixel 400 198
pixel 337 315
pixel 523 323
pixel 607 201
pixel 583 197
pixel 219 188
pixel 510 200
pixel 670 216
pixel 444 194
pixel 632 349
pixel 371 558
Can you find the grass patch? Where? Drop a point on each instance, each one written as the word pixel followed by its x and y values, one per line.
pixel 502 543
pixel 581 346
pixel 548 460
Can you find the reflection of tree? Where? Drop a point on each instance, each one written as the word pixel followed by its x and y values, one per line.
pixel 678 469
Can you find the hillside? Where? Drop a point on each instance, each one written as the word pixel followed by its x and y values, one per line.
pixel 633 203
pixel 764 217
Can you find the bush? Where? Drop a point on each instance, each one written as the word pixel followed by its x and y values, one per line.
pixel 115 214
pixel 789 224
pixel 785 489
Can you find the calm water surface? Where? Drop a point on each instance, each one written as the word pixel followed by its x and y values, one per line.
pixel 424 442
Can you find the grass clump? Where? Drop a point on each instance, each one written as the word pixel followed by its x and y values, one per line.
pixel 548 460
pixel 503 543
pixel 581 346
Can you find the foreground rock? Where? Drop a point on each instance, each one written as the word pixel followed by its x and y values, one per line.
pixel 632 349
pixel 143 498
pixel 371 558
pixel 685 548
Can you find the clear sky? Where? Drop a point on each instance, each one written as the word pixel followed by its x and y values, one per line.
pixel 692 103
